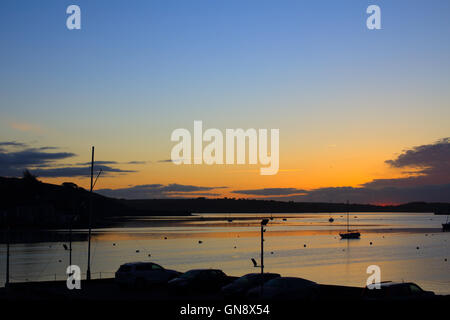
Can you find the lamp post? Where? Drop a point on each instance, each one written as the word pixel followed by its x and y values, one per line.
pixel 263 223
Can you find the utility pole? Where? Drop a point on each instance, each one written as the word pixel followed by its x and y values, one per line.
pixel 88 272
pixel 263 223
pixel 70 241
pixel 7 252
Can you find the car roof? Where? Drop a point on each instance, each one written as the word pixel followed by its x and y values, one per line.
pixel 200 270
pixel 137 263
pixel 391 284
pixel 292 279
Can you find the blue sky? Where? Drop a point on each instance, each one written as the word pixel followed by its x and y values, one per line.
pixel 137 70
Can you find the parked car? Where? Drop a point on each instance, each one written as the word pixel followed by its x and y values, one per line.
pixel 285 288
pixel 141 274
pixel 199 280
pixel 397 291
pixel 239 287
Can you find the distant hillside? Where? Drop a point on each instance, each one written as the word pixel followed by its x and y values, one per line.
pixel 203 205
pixel 27 202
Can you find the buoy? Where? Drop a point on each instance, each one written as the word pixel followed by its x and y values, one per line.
pixel 200 241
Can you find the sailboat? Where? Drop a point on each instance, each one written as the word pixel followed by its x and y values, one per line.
pixel 446 225
pixel 349 234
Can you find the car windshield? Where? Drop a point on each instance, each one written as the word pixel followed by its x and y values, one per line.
pixel 244 280
pixel 190 274
pixel 124 269
pixel 277 283
pixel 415 289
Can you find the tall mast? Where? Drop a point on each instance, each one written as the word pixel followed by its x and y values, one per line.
pixel 88 272
pixel 348 221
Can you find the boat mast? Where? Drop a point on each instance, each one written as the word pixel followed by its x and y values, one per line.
pixel 348 221
pixel 88 272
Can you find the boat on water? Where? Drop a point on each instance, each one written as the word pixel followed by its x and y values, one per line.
pixel 446 225
pixel 350 234
pixel 331 219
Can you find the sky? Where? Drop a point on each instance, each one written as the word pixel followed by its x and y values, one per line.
pixel 351 103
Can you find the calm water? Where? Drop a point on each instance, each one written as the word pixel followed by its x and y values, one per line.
pixel 230 245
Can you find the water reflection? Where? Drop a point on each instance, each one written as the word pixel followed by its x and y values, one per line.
pixel 304 246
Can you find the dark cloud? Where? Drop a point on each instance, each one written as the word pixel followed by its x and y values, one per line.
pixel 12 144
pixel 271 191
pixel 13 163
pixel 137 162
pixel 76 171
pixel 428 179
pixel 149 191
pixel 430 193
pixel 43 163
pixel 96 162
pixel 165 161
pixel 427 165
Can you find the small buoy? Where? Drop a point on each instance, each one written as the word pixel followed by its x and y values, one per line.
pixel 149 255
pixel 304 246
pixel 235 247
pixel 114 244
pixel 417 248
pixel 200 241
pixel 370 242
pixel 165 238
pixel 59 260
pixel 445 259
pixel 137 250
pixel 284 219
pixel 272 253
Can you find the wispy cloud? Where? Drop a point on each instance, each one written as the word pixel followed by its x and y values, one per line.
pixel 270 191
pixel 149 191
pixel 26 127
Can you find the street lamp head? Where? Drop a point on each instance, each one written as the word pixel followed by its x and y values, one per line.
pixel 264 222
